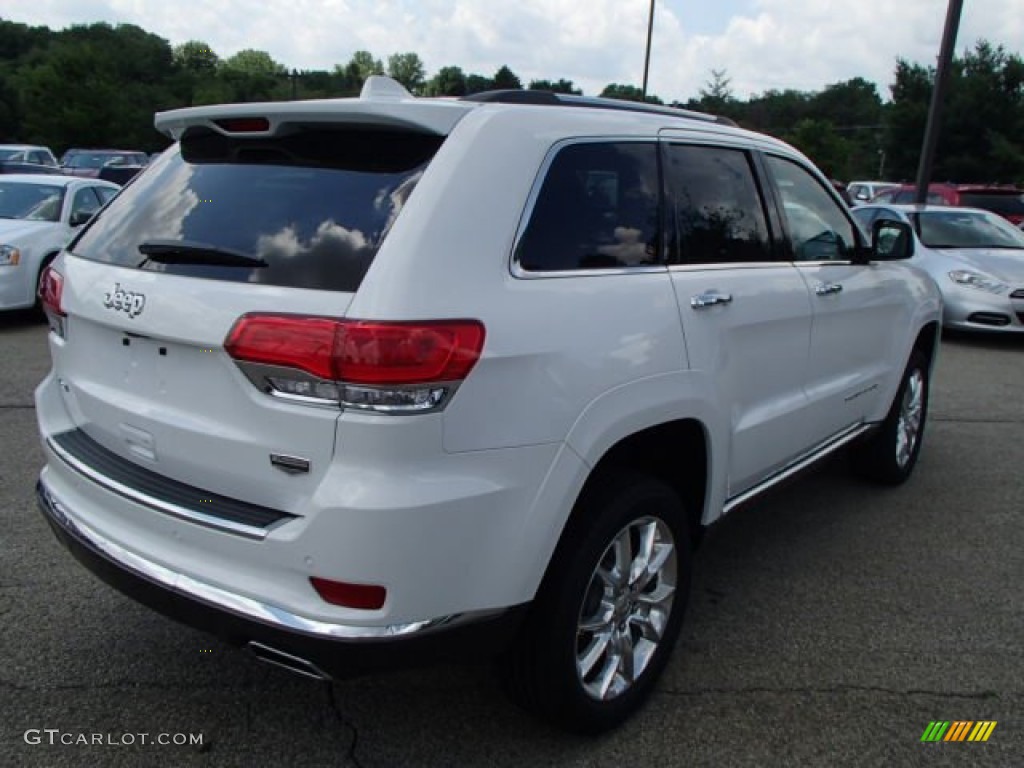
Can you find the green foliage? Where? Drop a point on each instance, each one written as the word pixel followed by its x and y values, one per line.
pixel 99 85
pixel 407 68
pixel 560 86
pixel 506 79
pixel 628 93
pixel 449 81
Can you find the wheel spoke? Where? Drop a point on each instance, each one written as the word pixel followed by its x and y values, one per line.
pixel 623 556
pixel 593 653
pixel 601 619
pixel 656 596
pixel 651 625
pixel 641 563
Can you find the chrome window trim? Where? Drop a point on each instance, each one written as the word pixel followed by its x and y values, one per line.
pixel 516 269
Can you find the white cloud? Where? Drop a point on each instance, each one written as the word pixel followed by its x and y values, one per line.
pixel 802 44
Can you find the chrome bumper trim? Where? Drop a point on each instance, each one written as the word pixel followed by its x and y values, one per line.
pixel 228 601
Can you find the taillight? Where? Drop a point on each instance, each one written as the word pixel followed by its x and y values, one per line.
pixel 51 297
pixel 392 367
pixel 51 291
pixel 365 597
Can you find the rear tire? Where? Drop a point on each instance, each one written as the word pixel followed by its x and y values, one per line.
pixel 610 609
pixel 890 454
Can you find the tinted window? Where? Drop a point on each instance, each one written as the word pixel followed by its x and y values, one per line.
pixel 910 196
pixel 105 194
pixel 36 202
pixel 85 203
pixel 719 216
pixel 598 208
pixel 315 206
pixel 966 229
pixel 1003 204
pixel 818 230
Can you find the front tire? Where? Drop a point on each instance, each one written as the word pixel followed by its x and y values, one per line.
pixel 890 454
pixel 610 609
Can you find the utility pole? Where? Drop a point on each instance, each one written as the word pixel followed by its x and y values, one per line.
pixel 647 56
pixel 931 131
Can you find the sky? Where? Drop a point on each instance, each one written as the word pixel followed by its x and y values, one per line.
pixel 759 44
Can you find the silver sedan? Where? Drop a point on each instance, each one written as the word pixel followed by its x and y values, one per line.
pixel 975 257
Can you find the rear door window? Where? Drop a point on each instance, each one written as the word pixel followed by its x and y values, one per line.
pixel 598 208
pixel 718 211
pixel 310 209
pixel 998 202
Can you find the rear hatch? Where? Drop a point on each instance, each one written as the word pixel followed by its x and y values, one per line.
pixel 259 208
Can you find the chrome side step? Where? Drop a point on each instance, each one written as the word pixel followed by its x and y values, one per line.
pixel 813 456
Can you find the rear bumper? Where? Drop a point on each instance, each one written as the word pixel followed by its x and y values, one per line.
pixel 325 649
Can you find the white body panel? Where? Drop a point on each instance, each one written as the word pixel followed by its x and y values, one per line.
pixel 459 510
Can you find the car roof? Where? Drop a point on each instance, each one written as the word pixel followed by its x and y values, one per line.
pixel 53 180
pixel 23 146
pixel 385 103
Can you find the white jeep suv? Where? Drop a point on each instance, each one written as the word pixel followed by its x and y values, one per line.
pixel 356 381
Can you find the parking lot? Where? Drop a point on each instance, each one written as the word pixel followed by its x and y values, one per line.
pixel 828 625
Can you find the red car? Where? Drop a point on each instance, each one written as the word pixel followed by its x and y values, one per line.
pixel 1007 201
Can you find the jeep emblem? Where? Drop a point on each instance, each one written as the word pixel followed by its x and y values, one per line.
pixel 125 301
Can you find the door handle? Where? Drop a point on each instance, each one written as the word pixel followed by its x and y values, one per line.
pixel 827 289
pixel 709 299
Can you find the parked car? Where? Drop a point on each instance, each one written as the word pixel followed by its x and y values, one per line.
pixel 484 407
pixel 88 163
pixel 1007 201
pixel 26 158
pixel 975 257
pixel 863 191
pixel 38 216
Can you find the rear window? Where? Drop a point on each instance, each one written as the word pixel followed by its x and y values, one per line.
pixel 314 207
pixel 1005 204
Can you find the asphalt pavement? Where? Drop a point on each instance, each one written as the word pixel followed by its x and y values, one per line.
pixel 829 624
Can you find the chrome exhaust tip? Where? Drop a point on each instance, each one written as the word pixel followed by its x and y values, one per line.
pixel 292 663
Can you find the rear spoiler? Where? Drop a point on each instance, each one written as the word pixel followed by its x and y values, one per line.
pixel 382 103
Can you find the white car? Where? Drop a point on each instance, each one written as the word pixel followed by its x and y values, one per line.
pixel 863 191
pixel 976 258
pixel 38 216
pixel 352 382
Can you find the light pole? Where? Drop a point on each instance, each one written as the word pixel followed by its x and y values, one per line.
pixel 647 56
pixel 931 131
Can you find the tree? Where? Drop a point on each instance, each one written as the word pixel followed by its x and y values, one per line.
pixel 449 81
pixel 361 66
pixel 407 68
pixel 253 62
pixel 561 86
pixel 196 56
pixel 478 84
pixel 627 93
pixel 506 79
pixel 717 92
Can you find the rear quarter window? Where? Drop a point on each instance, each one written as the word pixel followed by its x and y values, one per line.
pixel 314 206
pixel 598 208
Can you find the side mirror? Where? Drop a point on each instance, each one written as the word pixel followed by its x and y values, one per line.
pixel 78 218
pixel 891 240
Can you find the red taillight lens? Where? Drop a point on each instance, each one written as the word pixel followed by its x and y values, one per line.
pixel 51 291
pixel 292 341
pixel 360 352
pixel 244 124
pixel 407 353
pixel 365 597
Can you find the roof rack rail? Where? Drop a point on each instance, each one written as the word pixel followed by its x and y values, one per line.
pixel 548 98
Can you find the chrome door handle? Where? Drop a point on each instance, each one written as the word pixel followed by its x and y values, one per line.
pixel 709 299
pixel 827 289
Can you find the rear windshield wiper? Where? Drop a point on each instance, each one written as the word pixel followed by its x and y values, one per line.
pixel 190 252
